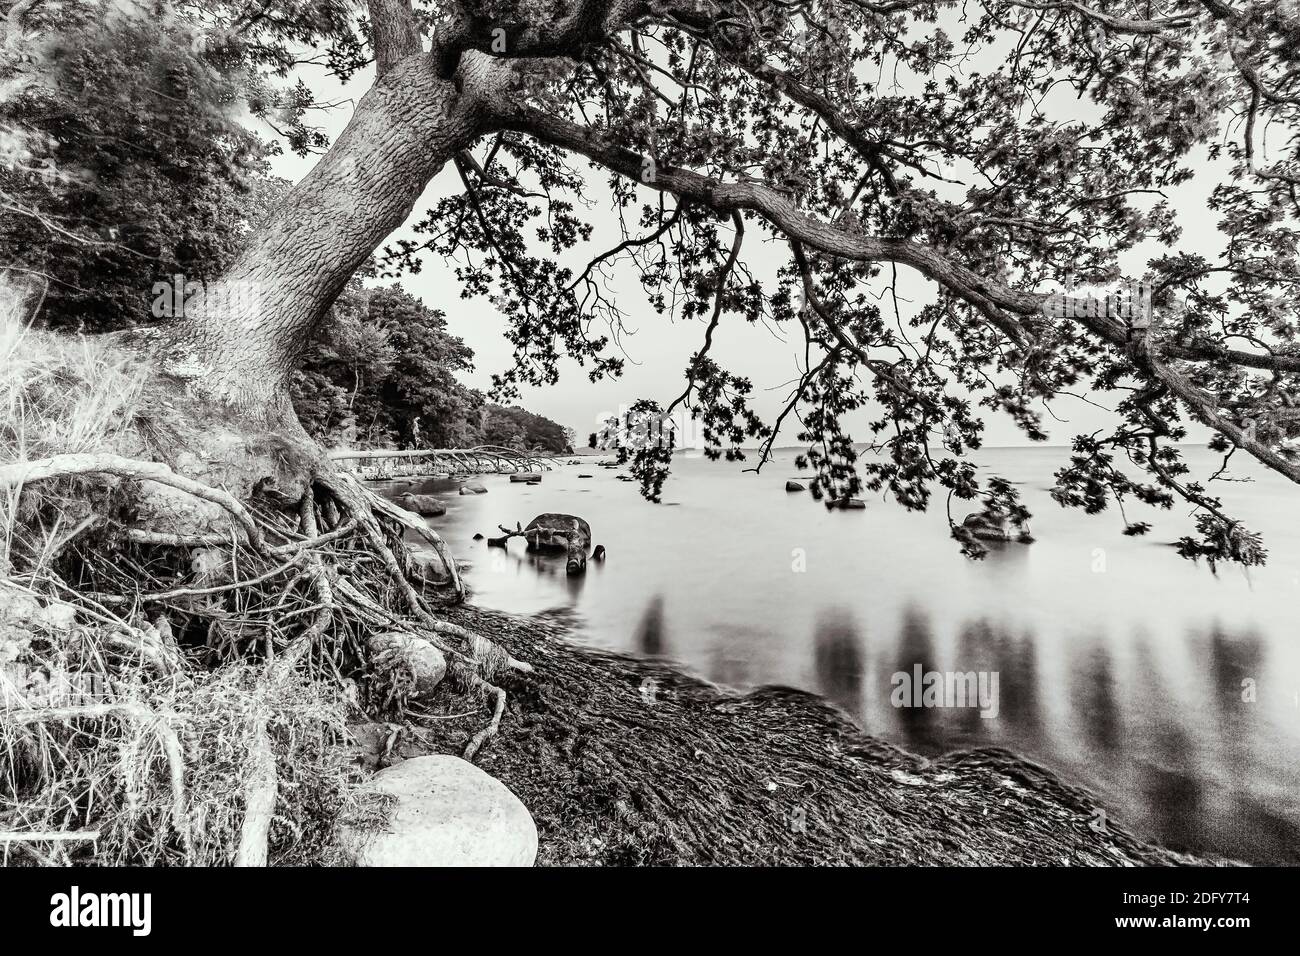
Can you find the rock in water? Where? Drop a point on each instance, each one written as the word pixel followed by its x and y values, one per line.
pixel 422 659
pixel 426 505
pixel 793 486
pixel 992 526
pixel 849 504
pixel 531 478
pixel 557 532
pixel 448 812
pixel 473 488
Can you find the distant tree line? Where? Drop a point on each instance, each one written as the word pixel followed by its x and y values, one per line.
pixel 381 374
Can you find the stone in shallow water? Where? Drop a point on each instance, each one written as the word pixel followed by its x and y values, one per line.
pixel 426 505
pixel 448 813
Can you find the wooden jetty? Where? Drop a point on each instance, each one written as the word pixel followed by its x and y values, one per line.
pixel 379 464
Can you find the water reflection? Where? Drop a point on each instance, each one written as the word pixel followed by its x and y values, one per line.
pixel 915 646
pixel 1123 675
pixel 1168 759
pixel 838 659
pixel 1092 696
pixel 651 638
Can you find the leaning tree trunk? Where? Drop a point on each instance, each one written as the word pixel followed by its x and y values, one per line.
pixel 242 338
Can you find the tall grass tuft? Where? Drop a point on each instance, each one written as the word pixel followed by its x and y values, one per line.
pixel 61 394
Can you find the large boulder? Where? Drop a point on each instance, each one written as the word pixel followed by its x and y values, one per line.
pixel 473 488
pixel 426 505
pixel 446 812
pixel 559 532
pixel 426 663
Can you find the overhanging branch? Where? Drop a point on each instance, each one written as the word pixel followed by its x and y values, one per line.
pixel 992 297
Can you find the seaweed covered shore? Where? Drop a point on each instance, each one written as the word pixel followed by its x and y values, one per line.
pixel 624 761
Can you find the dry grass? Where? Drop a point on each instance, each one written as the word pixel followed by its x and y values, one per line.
pixel 114 772
pixel 61 394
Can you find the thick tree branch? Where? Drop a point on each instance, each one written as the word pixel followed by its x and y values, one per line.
pixel 395 32
pixel 990 296
pixel 1116 24
pixel 587 22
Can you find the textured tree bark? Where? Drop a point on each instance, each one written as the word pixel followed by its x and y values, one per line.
pixel 241 338
pixel 224 369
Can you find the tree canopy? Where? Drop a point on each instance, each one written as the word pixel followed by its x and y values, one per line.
pixel 1000 149
pixel 1003 150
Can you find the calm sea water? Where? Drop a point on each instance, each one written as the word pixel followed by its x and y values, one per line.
pixel 1170 692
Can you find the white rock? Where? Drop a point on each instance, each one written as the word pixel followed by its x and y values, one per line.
pixel 210 567
pixel 59 617
pixel 17 606
pixel 448 813
pixel 426 662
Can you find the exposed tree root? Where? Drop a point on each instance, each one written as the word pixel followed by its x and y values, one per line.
pixel 62 466
pixel 365 507
pixel 259 801
pixel 498 710
pixel 277 588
